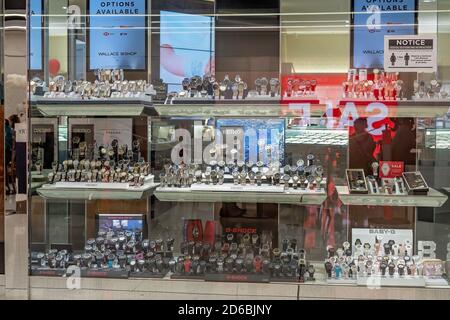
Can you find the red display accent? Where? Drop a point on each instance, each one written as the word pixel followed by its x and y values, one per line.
pixel 239 277
pixel 209 235
pixel 187 266
pixel 193 230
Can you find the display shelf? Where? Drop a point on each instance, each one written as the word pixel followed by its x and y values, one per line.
pixel 238 109
pixel 94 108
pixel 133 193
pixel 240 195
pixel 434 199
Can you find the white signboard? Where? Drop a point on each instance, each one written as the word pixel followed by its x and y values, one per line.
pixel 410 53
pixel 400 236
pixel 106 130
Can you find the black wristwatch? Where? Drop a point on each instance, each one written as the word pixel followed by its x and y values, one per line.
pixel 328 268
pixel 239 265
pixel 391 267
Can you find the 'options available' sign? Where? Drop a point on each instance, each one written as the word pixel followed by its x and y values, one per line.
pixel 374 19
pixel 117 34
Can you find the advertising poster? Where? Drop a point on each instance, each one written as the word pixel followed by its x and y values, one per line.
pixel 35 34
pixel 410 53
pixel 186 47
pixel 374 19
pixel 43 144
pixel 258 134
pixel 107 130
pixel 400 236
pixel 117 38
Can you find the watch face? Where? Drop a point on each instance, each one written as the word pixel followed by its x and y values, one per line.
pixel 319 170
pixel 300 163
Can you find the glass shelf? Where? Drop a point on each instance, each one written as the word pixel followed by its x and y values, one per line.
pixel 434 199
pixel 51 192
pixel 188 195
pixel 241 109
pixel 94 108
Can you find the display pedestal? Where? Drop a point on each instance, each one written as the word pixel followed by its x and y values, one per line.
pixel 436 282
pixel 95 192
pixel 387 281
pixel 48 272
pixel 434 199
pixel 187 277
pixel 341 281
pixel 104 273
pixel 234 277
pixel 146 274
pixel 250 195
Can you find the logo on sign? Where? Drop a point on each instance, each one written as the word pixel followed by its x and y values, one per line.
pixel 374 20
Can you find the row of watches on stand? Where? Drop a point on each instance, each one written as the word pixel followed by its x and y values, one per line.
pixel 109 84
pixel 384 86
pixel 382 259
pixel 246 255
pixel 113 250
pixel 127 251
pixel 124 171
pixel 300 88
pixel 243 173
pixel 430 90
pixel 209 87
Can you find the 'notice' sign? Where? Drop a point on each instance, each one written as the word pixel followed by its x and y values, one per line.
pixel 410 53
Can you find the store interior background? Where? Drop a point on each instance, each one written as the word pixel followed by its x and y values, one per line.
pixel 317 44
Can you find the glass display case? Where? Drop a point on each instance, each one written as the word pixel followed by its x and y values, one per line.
pixel 232 172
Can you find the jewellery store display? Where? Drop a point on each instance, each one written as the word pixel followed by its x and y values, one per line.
pixel 384 86
pixel 382 263
pixel 208 87
pixel 109 84
pixel 113 254
pixel 246 176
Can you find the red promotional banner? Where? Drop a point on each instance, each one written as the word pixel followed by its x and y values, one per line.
pixel 391 169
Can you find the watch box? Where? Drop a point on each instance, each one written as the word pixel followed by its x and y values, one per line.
pixel 356 181
pixel 415 183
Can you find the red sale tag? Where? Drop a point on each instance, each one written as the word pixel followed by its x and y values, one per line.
pixel 391 169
